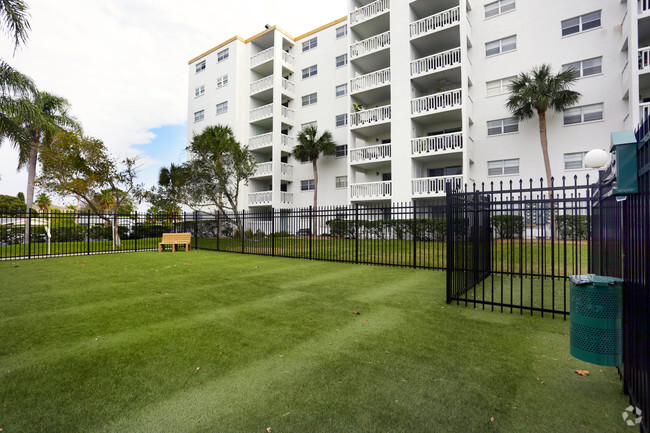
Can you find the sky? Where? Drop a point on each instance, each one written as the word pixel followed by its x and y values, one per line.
pixel 122 65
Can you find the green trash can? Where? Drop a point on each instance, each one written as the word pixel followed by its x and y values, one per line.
pixel 596 316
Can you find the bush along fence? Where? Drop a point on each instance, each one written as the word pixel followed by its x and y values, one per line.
pixel 522 242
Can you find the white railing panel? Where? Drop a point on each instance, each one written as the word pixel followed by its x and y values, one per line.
pixel 288 86
pixel 287 113
pixel 437 102
pixel 262 84
pixel 261 140
pixel 370 153
pixel 437 144
pixel 286 169
pixel 287 141
pixel 264 169
pixel 644 111
pixel 436 22
pixel 261 112
pixel 430 186
pixel 371 190
pixel 644 58
pixel 370 45
pixel 369 11
pixel 644 6
pixel 436 62
pixel 262 57
pixel 288 58
pixel 369 81
pixel 371 116
pixel 260 197
pixel 286 198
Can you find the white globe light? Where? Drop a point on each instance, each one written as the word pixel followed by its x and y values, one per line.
pixel 596 158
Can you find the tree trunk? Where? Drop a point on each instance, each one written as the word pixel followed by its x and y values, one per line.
pixel 547 165
pixel 116 234
pixel 315 219
pixel 31 178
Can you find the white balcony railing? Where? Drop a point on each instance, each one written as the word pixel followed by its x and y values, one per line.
pixel 288 58
pixel 260 141
pixel 286 170
pixel 644 111
pixel 262 84
pixel 286 198
pixel 288 86
pixel 263 169
pixel 433 186
pixel 370 117
pixel 437 144
pixel 369 11
pixel 644 6
pixel 436 22
pixel 371 190
pixel 370 45
pixel 436 62
pixel 287 113
pixel 258 198
pixel 371 80
pixel 379 152
pixel 287 141
pixel 261 112
pixel 261 57
pixel 644 58
pixel 437 102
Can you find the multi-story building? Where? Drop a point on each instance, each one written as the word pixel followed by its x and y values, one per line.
pixel 414 94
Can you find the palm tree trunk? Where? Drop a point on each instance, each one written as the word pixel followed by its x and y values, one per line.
pixel 315 167
pixel 31 178
pixel 547 164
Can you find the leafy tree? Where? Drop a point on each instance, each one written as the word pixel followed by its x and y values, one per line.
pixel 309 149
pixel 540 91
pixel 75 165
pixel 14 20
pixel 10 204
pixel 43 202
pixel 170 192
pixel 21 196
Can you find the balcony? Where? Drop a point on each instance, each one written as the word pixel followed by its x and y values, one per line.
pixel 644 6
pixel 435 22
pixel 644 111
pixel 288 87
pixel 437 144
pixel 288 59
pixel 369 11
pixel 370 154
pixel 287 142
pixel 260 141
pixel 261 57
pixel 644 58
pixel 286 198
pixel 371 190
pixel 370 45
pixel 261 85
pixel 263 169
pixel 370 117
pixel 436 63
pixel 263 112
pixel 435 186
pixel 370 81
pixel 260 198
pixel 287 114
pixel 286 171
pixel 437 102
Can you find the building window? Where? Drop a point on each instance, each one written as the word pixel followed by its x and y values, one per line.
pixel 586 113
pixel 308 125
pixel 499 7
pixel 341 90
pixel 498 87
pixel 310 44
pixel 307 185
pixel 574 161
pixel 503 126
pixel 341 120
pixel 199 91
pixel 200 66
pixel 503 166
pixel 585 68
pixel 341 181
pixel 581 23
pixel 223 55
pixel 222 108
pixel 310 71
pixel 199 115
pixel 341 150
pixel 222 81
pixel 341 31
pixel 341 60
pixel 501 46
pixel 309 99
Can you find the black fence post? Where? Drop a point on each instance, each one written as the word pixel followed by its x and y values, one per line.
pixel 88 233
pixel 450 249
pixel 311 227
pixel 218 228
pixel 356 232
pixel 415 235
pixel 272 232
pixel 243 229
pixel 135 232
pixel 29 233
pixel 196 228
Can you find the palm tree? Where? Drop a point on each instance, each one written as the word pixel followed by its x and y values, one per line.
pixel 538 92
pixel 13 20
pixel 310 148
pixel 43 202
pixel 15 105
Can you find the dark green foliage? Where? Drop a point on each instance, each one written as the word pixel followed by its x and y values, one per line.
pixel 507 226
pixel 9 204
pixel 147 230
pixel 280 234
pixel 103 233
pixel 572 226
pixel 426 229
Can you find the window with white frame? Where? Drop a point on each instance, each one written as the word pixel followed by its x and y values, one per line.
pixel 585 68
pixel 341 60
pixel 498 87
pixel 222 81
pixel 503 166
pixel 200 66
pixel 499 7
pixel 341 150
pixel 341 181
pixel 501 46
pixel 199 115
pixel 503 126
pixel 310 71
pixel 223 55
pixel 341 90
pixel 309 99
pixel 222 108
pixel 199 91
pixel 307 185
pixel 586 113
pixel 341 120
pixel 341 31
pixel 310 44
pixel 574 160
pixel 581 23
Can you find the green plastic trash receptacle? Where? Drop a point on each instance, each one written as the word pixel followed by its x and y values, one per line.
pixel 596 319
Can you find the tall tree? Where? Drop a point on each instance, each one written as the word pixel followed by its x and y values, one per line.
pixel 309 149
pixel 14 20
pixel 43 202
pixel 15 106
pixel 540 91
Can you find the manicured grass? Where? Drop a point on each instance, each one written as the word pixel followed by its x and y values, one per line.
pixel 218 342
pixel 75 247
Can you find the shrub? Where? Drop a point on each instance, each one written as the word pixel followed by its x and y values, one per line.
pixel 341 228
pixel 280 234
pixel 572 226
pixel 507 226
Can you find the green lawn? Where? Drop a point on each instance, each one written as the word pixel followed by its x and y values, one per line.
pixel 218 342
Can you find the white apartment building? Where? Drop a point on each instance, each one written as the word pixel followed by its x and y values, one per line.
pixel 414 94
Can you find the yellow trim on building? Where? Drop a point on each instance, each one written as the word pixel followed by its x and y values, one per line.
pixel 270 29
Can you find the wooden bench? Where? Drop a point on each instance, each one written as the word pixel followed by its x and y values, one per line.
pixel 174 239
